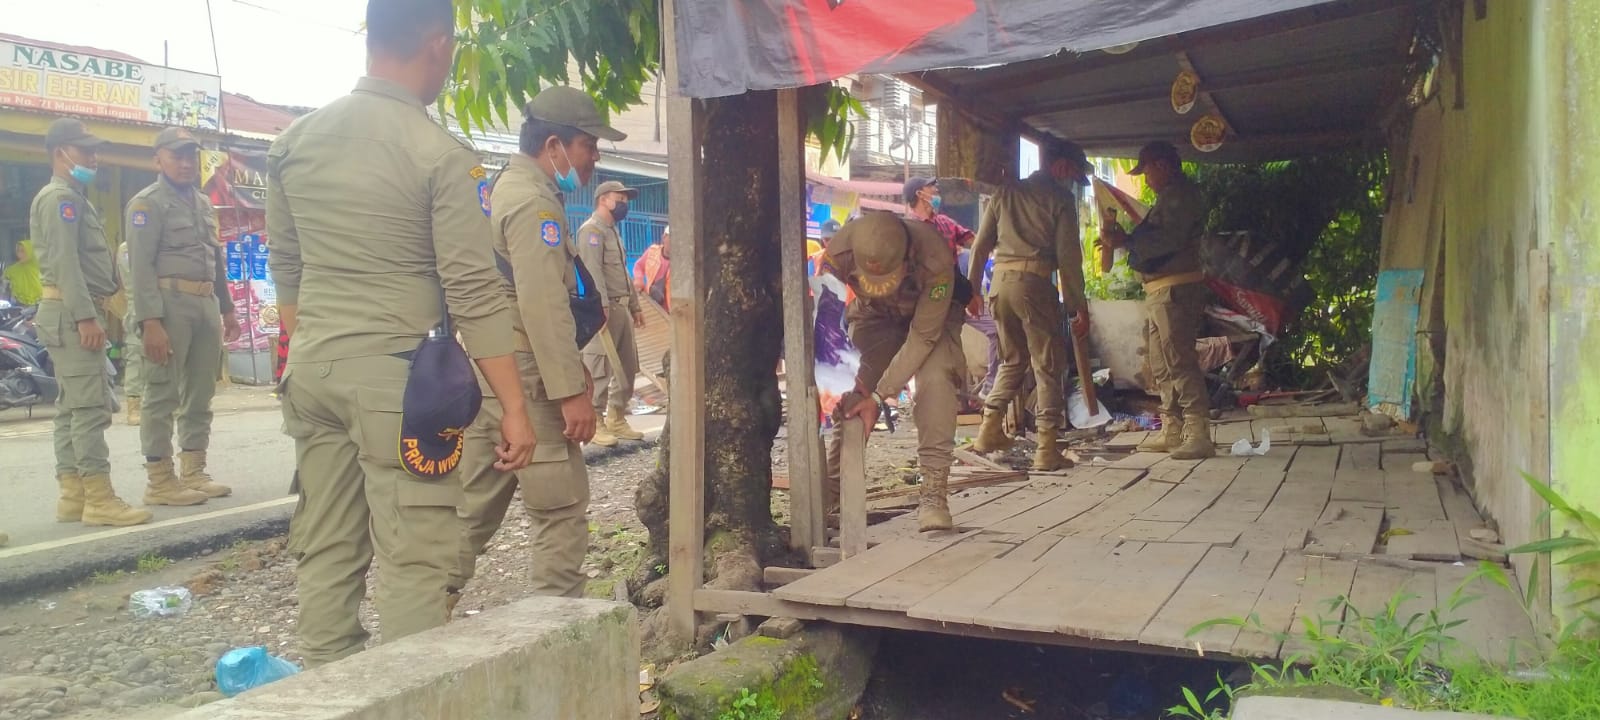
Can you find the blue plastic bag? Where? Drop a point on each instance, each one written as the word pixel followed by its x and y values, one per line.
pixel 244 668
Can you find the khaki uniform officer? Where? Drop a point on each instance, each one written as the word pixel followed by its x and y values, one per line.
pixel 180 298
pixel 1032 228
pixel 378 221
pixel 600 246
pixel 1165 248
pixel 557 155
pixel 905 324
pixel 78 275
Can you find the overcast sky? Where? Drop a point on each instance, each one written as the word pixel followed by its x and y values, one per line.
pixel 290 52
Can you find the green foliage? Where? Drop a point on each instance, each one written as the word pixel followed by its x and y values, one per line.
pixel 751 706
pixel 1117 284
pixel 1326 211
pixel 1568 688
pixel 151 562
pixel 1578 549
pixel 1196 709
pixel 796 689
pixel 507 50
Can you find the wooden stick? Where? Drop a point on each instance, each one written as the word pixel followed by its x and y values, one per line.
pixel 1086 373
pixel 853 489
pixel 972 458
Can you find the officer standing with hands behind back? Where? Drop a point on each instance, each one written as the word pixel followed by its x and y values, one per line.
pixel 378 220
pixel 179 282
pixel 78 276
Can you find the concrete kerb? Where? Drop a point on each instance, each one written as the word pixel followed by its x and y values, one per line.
pixel 1283 708
pixel 536 659
pixel 27 574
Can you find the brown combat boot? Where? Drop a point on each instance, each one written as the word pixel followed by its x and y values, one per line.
pixel 1170 437
pixel 933 507
pixel 166 489
pixel 1048 457
pixel 70 507
pixel 194 475
pixel 451 599
pixel 603 437
pixel 992 434
pixel 134 403
pixel 617 425
pixel 101 506
pixel 1197 443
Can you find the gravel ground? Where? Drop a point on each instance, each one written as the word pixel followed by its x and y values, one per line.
pixel 80 653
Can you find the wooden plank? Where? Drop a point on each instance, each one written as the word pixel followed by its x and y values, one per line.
pixel 974 459
pixel 1139 461
pixel 1127 441
pixel 686 497
pixel 807 523
pixel 1273 611
pixel 1123 603
pixel 1148 531
pixel 1276 460
pixel 1411 500
pixel 903 589
pixel 1357 485
pixel 1074 565
pixel 1238 507
pixel 1230 432
pixel 833 585
pixel 1435 541
pixel 964 600
pixel 853 488
pixel 960 503
pixel 1405 445
pixel 1344 429
pixel 779 576
pixel 1376 587
pixel 1498 630
pixel 1172 471
pixel 1325 580
pixel 1346 527
pixel 1104 520
pixel 1021 501
pixel 1314 460
pixel 1074 501
pixel 823 557
pixel 1304 411
pixel 1223 585
pixel 1186 501
pixel 1294 510
pixel 1458 506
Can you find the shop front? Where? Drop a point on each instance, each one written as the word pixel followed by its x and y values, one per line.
pixel 235 179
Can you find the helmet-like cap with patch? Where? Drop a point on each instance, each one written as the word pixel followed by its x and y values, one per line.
pixel 881 241
pixel 574 108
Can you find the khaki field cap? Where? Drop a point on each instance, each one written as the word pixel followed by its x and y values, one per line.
pixel 571 107
pixel 176 138
pixel 881 243
pixel 611 186
pixel 68 131
pixel 1154 152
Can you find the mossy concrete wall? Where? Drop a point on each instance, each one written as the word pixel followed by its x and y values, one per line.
pixel 818 674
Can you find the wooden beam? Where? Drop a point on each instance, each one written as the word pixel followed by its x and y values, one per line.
pixel 805 477
pixel 686 498
pixel 853 489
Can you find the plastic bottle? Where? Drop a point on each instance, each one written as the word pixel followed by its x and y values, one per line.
pixel 244 668
pixel 167 601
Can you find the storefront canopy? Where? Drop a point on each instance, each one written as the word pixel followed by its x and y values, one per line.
pixel 727 48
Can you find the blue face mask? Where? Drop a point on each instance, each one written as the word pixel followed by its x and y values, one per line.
pixel 82 174
pixel 567 181
pixel 936 202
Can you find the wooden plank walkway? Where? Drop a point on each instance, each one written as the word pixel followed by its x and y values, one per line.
pixel 1135 554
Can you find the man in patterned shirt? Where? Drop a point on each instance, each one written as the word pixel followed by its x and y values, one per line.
pixel 924 203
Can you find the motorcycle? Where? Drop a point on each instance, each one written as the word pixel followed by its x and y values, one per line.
pixel 27 376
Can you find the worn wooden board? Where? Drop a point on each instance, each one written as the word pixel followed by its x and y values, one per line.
pixel 1127 441
pixel 1343 428
pixel 1237 508
pixel 1069 570
pixel 1021 501
pixel 976 460
pixel 964 600
pixel 1497 630
pixel 1458 506
pixel 1186 501
pixel 853 489
pixel 1104 520
pixel 1314 460
pixel 1123 603
pixel 1148 531
pixel 1296 507
pixel 1346 527
pixel 1434 540
pixel 1273 611
pixel 1276 460
pixel 963 502
pixel 1357 485
pixel 913 584
pixel 1229 432
pixel 1071 503
pixel 1223 585
pixel 833 585
pixel 1172 471
pixel 1411 499
pixel 1304 411
pixel 1405 445
pixel 1376 587
pixel 1325 579
pixel 1139 461
pixel 1361 456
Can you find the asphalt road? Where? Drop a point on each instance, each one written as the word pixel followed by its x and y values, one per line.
pixel 248 452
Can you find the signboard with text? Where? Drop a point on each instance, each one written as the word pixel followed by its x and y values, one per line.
pixel 62 81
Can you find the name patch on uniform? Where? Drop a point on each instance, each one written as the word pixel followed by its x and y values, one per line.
pixel 939 292
pixel 69 211
pixel 547 215
pixel 483 196
pixel 550 233
pixel 140 218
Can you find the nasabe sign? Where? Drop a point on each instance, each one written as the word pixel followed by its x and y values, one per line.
pixel 61 81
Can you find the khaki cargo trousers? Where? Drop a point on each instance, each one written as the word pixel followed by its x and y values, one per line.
pixel 613 387
pixel 1173 318
pixel 357 503
pixel 186 384
pixel 1027 314
pixel 85 403
pixel 555 491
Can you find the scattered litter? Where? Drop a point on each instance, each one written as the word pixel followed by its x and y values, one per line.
pixel 470 613
pixel 1078 412
pixel 645 708
pixel 1242 446
pixel 168 601
pixel 1015 697
pixel 1099 461
pixel 47 606
pixel 244 668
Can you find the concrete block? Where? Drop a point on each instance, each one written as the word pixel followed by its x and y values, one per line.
pixel 541 658
pixel 780 628
pixel 1280 708
pixel 818 674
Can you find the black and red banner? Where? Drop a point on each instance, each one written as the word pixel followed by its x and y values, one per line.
pixel 726 47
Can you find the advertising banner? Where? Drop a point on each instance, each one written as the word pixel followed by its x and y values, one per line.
pixel 60 81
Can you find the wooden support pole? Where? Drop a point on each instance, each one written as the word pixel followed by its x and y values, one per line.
pixel 853 489
pixel 805 476
pixel 686 412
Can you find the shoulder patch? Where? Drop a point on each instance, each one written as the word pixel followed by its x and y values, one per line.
pixel 594 239
pixel 69 211
pixel 477 172
pixel 140 218
pixel 483 195
pixel 550 233
pixel 939 291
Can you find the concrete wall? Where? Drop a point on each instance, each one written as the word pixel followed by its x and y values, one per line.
pixel 538 659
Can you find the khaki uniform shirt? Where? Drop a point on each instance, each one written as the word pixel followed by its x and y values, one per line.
pixel 1036 220
pixel 73 255
pixel 172 233
pixel 372 207
pixel 601 249
pixel 1172 228
pixel 923 301
pixel 530 231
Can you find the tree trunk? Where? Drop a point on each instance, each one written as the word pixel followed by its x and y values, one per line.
pixel 744 335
